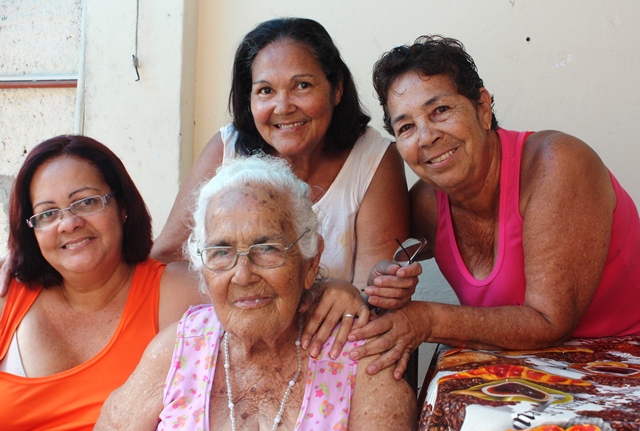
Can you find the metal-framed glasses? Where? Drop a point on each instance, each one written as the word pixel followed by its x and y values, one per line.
pixel 82 207
pixel 267 255
pixel 411 250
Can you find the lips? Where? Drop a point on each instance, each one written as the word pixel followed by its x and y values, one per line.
pixel 76 244
pixel 290 126
pixel 252 302
pixel 442 157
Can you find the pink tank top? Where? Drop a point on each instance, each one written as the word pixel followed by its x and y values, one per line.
pixel 614 308
pixel 328 390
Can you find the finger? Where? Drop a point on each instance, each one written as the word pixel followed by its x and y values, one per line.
pixel 385 360
pixel 371 329
pixel 316 319
pixel 341 337
pixel 363 315
pixel 401 366
pixel 324 331
pixel 413 270
pixel 371 347
pixel 389 303
pixel 393 281
pixel 387 292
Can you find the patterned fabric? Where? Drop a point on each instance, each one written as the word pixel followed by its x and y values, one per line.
pixel 338 208
pixel 328 390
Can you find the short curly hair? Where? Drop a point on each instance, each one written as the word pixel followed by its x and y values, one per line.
pixel 429 56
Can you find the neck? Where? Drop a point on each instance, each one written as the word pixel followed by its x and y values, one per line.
pixel 259 349
pixel 84 294
pixel 482 197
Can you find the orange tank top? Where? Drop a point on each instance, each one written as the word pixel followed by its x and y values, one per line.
pixel 71 400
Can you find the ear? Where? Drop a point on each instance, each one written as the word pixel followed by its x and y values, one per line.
pixel 485 113
pixel 312 265
pixel 337 94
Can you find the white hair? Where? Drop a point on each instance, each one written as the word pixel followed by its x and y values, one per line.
pixel 269 171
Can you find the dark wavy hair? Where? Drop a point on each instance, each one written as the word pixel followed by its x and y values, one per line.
pixel 26 260
pixel 349 119
pixel 429 55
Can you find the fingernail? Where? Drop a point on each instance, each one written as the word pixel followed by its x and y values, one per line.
pixel 305 344
pixel 354 355
pixel 372 369
pixel 334 354
pixel 351 338
pixel 315 352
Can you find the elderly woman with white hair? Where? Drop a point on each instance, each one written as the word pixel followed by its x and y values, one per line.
pixel 237 364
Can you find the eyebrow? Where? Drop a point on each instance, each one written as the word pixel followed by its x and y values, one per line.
pixel 70 196
pixel 293 78
pixel 259 240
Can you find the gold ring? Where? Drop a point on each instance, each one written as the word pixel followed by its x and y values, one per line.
pixel 348 315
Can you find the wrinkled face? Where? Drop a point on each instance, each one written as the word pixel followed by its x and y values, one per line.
pixel 78 244
pixel 254 302
pixel 441 134
pixel 291 99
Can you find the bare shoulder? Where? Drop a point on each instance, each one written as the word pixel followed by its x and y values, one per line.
pixel 137 404
pixel 381 402
pixel 179 289
pixel 555 161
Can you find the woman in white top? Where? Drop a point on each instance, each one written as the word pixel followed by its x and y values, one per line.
pixel 293 97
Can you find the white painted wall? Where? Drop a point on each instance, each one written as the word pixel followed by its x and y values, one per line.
pixel 577 73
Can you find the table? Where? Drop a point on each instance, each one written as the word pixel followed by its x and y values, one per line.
pixel 583 385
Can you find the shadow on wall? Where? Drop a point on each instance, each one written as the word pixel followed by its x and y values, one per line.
pixel 6 182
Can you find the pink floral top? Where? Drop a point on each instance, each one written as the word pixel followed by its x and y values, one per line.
pixel 187 391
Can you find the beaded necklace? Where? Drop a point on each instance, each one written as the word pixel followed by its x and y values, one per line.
pixel 292 382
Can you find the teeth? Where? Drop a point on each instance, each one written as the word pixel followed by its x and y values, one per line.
pixel 290 126
pixel 77 244
pixel 443 157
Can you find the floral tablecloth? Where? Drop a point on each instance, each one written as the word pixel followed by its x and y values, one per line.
pixel 583 385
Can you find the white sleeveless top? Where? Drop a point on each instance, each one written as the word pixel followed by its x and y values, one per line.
pixel 338 207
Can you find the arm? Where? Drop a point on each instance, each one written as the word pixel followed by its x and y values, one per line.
pixel 380 402
pixel 179 289
pixel 137 404
pixel 168 246
pixel 567 203
pixel 383 217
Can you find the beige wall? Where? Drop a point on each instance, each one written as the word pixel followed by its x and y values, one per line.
pixel 577 73
pixel 571 65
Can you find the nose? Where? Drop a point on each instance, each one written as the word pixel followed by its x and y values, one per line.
pixel 243 274
pixel 70 222
pixel 427 135
pixel 283 103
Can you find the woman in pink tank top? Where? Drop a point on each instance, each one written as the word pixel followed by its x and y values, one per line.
pixel 537 238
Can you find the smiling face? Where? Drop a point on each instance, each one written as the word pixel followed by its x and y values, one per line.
pixel 76 245
pixel 253 302
pixel 441 134
pixel 292 101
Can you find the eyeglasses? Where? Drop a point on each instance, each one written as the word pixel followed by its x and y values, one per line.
pixel 411 250
pixel 267 255
pixel 82 207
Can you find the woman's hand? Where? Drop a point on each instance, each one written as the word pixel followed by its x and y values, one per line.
pixel 340 301
pixel 390 286
pixel 397 336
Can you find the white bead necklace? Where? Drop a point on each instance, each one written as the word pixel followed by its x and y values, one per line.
pixel 292 382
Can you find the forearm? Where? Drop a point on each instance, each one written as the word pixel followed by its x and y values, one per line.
pixel 509 327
